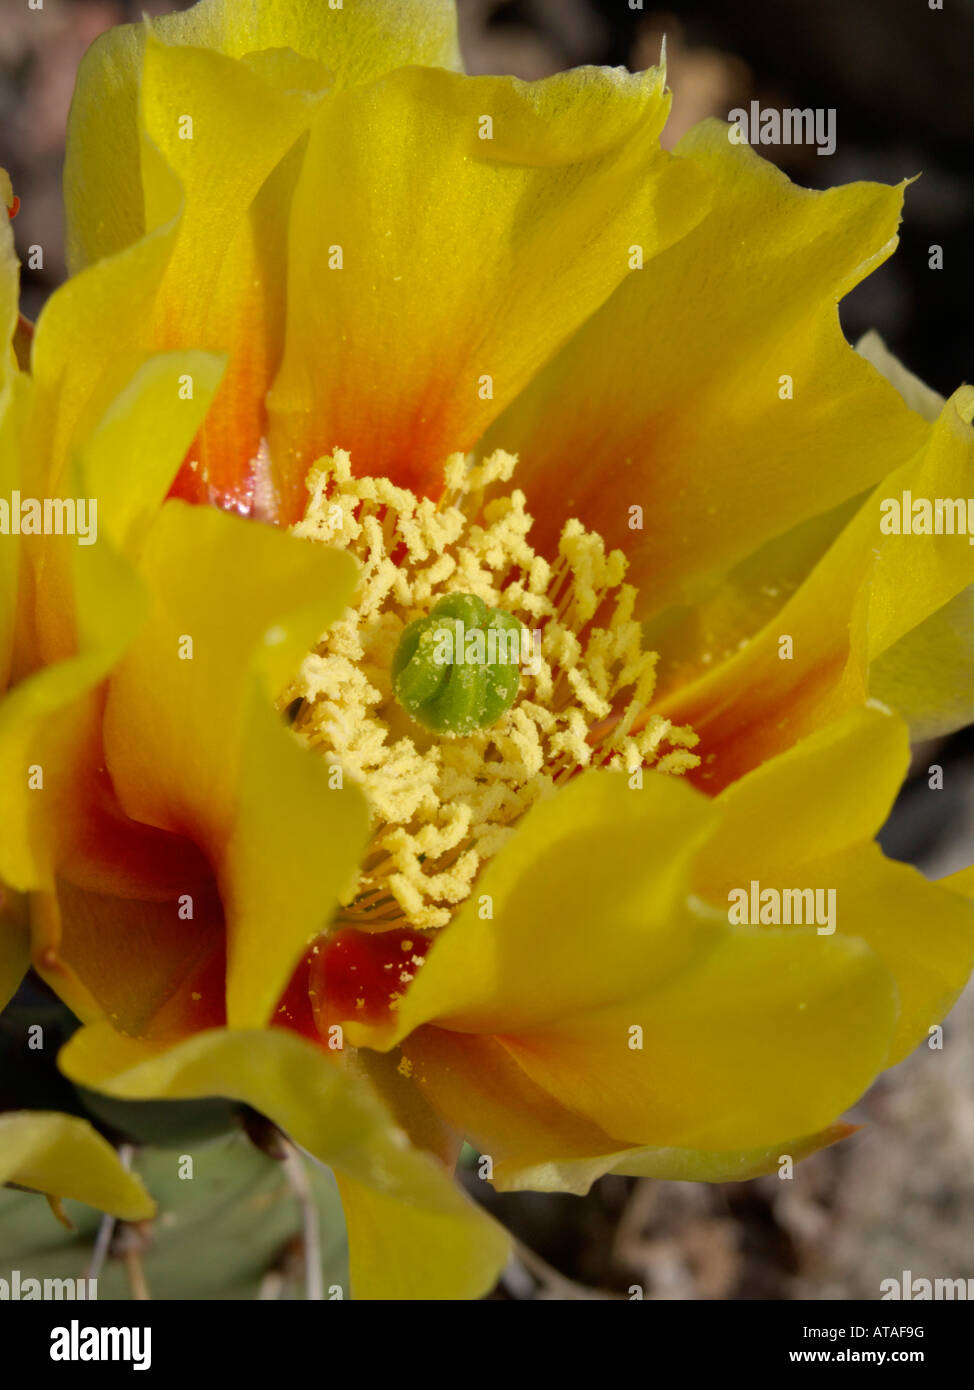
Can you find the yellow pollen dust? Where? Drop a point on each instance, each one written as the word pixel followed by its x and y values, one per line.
pixel 444 804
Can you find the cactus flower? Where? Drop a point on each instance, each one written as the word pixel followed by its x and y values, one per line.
pixel 358 351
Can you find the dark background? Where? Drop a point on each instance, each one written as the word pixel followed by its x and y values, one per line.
pixel 900 1194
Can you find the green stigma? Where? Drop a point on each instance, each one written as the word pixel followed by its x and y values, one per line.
pixel 457 669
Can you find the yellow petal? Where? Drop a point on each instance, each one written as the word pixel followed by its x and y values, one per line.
pixel 103 187
pixel 295 844
pixel 400 1251
pixel 832 790
pixel 746 1033
pixel 672 1165
pixel 587 896
pixel 103 202
pixel 806 819
pixel 221 289
pixel 917 574
pixel 200 110
pixel 867 592
pixel 206 275
pixel 106 308
pixel 480 247
pixel 928 675
pixel 738 602
pixel 394 1083
pixel 922 933
pixel 193 748
pixel 696 637
pixel 412 1233
pixel 153 420
pixel 537 1144
pixel 88 605
pixel 225 593
pixel 672 391
pixel 358 42
pixel 591 896
pixel 47 720
pixel 65 1157
pixel 918 396
pixel 770 1033
pixel 477 1086
pixel 961 882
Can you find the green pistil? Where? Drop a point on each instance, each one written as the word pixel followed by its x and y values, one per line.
pixel 457 669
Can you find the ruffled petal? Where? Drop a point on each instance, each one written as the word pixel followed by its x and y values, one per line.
pixel 106 308
pixel 65 1157
pixel 806 819
pixel 193 747
pixel 671 1165
pixel 475 1083
pixel 928 675
pixel 832 790
pixel 922 932
pixel 918 396
pixel 586 896
pixel 359 41
pixel 129 459
pixel 737 603
pixel 537 1144
pixel 223 288
pixel 743 1034
pixel 770 1032
pixel 672 392
pixel 103 186
pixel 961 882
pixel 295 844
pixel 917 574
pixel 868 591
pixel 48 722
pixel 412 1233
pixel 85 611
pixel 432 271
pixel 695 638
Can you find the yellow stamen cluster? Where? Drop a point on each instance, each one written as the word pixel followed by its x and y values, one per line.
pixel 442 805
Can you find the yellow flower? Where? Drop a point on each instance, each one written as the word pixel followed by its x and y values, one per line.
pixel 316 269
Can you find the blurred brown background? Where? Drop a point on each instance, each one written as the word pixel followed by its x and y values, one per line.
pixel 900 1194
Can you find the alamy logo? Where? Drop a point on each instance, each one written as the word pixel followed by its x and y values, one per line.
pixel 21 1290
pixel 77 1343
pixel 789 127
pixel 50 516
pixel 923 1290
pixel 907 515
pixel 754 906
pixel 495 647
